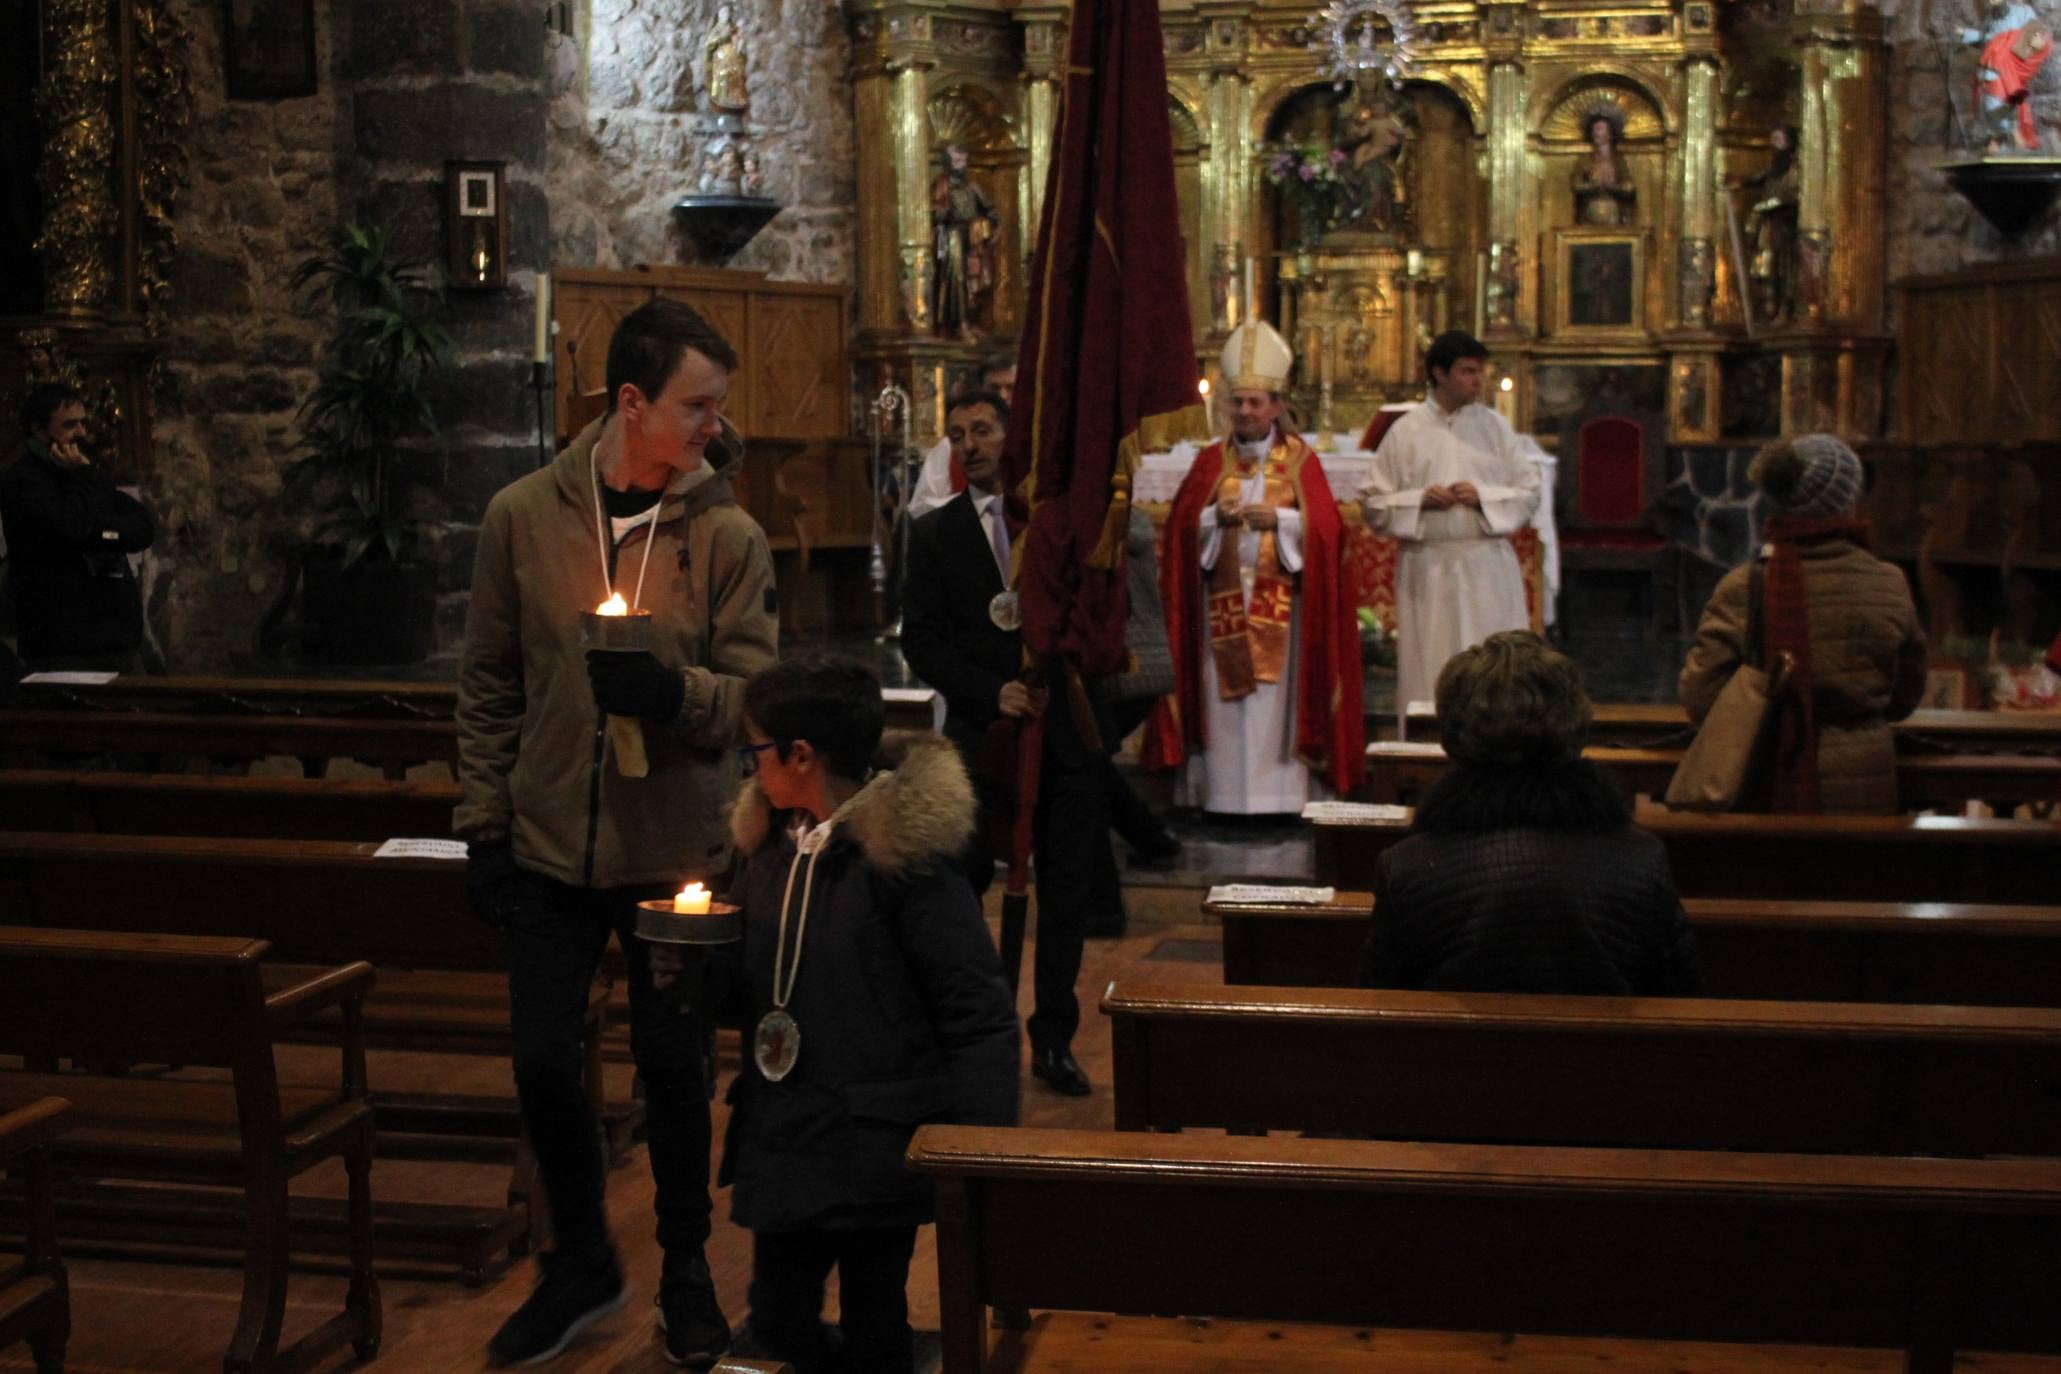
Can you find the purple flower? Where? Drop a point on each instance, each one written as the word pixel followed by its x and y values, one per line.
pixel 1309 173
pixel 1337 156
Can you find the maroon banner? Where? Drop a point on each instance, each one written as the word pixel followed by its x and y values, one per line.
pixel 1106 369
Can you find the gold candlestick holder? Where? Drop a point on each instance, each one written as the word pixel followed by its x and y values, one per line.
pixel 721 924
pixel 628 633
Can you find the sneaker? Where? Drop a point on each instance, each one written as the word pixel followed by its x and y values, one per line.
pixel 565 1302
pixel 688 1315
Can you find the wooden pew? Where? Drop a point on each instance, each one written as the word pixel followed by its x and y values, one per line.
pixel 194 804
pixel 1833 858
pixel 1402 773
pixel 1948 953
pixel 1923 1255
pixel 1655 1073
pixel 35 1298
pixel 1654 726
pixel 96 996
pixel 442 985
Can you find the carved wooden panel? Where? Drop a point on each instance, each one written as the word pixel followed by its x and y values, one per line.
pixel 1979 354
pixel 790 338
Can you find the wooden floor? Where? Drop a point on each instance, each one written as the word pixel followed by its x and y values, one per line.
pixel 137 1317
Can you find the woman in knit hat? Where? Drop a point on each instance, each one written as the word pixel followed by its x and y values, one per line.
pixel 1846 621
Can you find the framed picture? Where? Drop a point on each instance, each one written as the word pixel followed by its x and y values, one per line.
pixel 268 48
pixel 1951 686
pixel 1599 282
pixel 476 224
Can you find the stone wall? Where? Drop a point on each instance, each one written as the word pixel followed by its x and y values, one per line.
pixel 403 88
pixel 1930 227
pixel 629 117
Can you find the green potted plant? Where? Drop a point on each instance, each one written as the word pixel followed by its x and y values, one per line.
pixel 368 585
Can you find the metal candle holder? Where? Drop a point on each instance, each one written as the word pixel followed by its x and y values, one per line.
pixel 891 401
pixel 721 924
pixel 628 633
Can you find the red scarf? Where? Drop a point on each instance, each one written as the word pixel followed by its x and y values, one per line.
pixel 1786 629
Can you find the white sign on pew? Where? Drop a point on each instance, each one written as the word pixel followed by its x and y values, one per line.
pixel 420 849
pixel 1337 812
pixel 1259 894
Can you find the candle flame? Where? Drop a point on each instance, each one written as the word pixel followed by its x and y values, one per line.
pixel 615 605
pixel 1203 386
pixel 691 900
pixel 692 892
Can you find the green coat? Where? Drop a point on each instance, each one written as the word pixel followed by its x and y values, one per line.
pixel 531 761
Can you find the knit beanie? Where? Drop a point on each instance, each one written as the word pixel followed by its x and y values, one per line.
pixel 1811 475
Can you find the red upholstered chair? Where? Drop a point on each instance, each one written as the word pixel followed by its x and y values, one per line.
pixel 1604 528
pixel 1379 425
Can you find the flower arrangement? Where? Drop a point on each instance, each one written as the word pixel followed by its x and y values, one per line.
pixel 1314 176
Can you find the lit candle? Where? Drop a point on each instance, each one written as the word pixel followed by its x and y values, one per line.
pixel 615 605
pixel 691 900
pixel 1202 387
pixel 542 352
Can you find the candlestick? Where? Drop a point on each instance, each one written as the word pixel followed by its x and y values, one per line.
pixel 718 923
pixel 542 350
pixel 615 626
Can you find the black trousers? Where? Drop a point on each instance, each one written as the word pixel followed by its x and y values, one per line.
pixel 552 955
pixel 787 1273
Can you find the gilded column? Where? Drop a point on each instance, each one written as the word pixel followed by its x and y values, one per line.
pixel 1696 273
pixel 1508 185
pixel 1227 186
pixel 1044 50
pixel 909 123
pixel 75 104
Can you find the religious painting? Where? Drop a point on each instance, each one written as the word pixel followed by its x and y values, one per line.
pixel 1950 686
pixel 1599 281
pixel 268 48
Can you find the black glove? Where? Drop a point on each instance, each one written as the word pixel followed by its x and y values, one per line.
pixel 635 685
pixel 500 891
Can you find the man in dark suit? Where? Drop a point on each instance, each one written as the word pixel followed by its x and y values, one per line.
pixel 958 564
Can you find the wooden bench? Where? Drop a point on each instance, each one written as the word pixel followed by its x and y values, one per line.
pixel 30 737
pixel 201 1002
pixel 1951 953
pixel 1833 858
pixel 1662 1073
pixel 442 985
pixel 1923 1255
pixel 194 804
pixel 1403 773
pixel 1656 726
pixel 35 1301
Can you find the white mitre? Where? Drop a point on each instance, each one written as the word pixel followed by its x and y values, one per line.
pixel 1256 358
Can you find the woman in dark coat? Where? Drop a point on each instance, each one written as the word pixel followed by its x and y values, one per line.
pixel 876 1003
pixel 1525 873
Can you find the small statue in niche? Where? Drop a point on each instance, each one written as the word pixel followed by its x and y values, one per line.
pixel 724 53
pixel 963 223
pixel 1603 189
pixel 1375 136
pixel 2011 48
pixel 722 173
pixel 1771 229
pixel 753 180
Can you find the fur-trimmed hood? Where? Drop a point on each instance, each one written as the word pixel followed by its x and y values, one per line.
pixel 917 816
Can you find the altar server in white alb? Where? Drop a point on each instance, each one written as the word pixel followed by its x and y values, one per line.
pixel 1451 483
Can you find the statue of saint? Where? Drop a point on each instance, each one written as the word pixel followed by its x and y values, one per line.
pixel 2011 49
pixel 1375 138
pixel 963 223
pixel 753 180
pixel 724 51
pixel 1603 189
pixel 1771 229
pixel 722 172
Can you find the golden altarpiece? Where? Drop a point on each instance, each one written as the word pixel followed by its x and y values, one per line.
pixel 1734 131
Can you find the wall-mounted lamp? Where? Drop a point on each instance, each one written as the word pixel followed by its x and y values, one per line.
pixel 476 225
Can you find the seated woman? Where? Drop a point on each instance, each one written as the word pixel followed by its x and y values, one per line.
pixel 1525 873
pixel 1846 621
pixel 874 1002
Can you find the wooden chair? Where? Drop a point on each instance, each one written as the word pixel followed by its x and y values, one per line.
pixel 35 1303
pixel 1923 1255
pixel 96 997
pixel 1603 524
